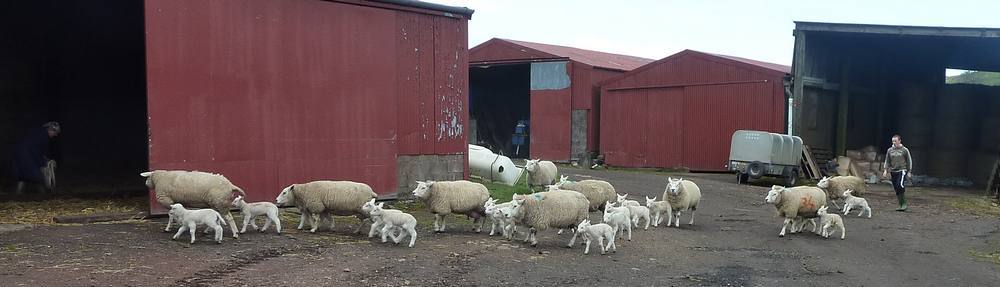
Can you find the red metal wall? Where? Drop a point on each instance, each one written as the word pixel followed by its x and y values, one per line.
pixel 689 118
pixel 271 93
pixel 550 124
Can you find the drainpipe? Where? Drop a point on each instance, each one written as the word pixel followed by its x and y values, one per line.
pixel 787 81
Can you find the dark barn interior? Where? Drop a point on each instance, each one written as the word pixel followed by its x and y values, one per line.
pixel 499 97
pixel 81 63
pixel 857 85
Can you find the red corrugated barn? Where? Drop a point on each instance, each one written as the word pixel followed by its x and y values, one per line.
pixel 554 87
pixel 268 93
pixel 682 110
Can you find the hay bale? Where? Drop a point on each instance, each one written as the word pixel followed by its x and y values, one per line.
pixel 854 154
pixel 843 165
pixel 876 166
pixel 947 163
pixel 863 166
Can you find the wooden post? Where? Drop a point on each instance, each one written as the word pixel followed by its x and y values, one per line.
pixel 845 94
pixel 798 81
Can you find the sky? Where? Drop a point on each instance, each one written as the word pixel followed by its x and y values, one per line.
pixel 760 30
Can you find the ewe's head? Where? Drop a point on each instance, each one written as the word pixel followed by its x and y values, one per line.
pixel 621 198
pixel 650 201
pixel 149 178
pixel 824 182
pixel 848 192
pixel 531 165
pixel 286 197
pixel 674 186
pixel 423 188
pixel 368 206
pixel 774 194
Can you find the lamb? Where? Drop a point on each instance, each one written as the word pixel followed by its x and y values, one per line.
pixel 600 232
pixel 639 212
pixel 835 186
pixel 851 201
pixel 540 173
pixel 393 221
pixel 324 197
pixel 498 214
pixel 620 219
pixel 459 197
pixel 597 191
pixel 550 209
pixel 376 222
pixel 194 189
pixel 657 208
pixel 829 221
pixel 189 219
pixel 252 210
pixel 795 204
pixel 624 201
pixel 682 195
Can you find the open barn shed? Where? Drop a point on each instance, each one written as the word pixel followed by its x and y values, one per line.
pixel 267 93
pixel 552 88
pixel 856 85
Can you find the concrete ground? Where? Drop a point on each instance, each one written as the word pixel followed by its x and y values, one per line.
pixel 733 242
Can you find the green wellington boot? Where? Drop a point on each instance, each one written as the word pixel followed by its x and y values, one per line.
pixel 902 203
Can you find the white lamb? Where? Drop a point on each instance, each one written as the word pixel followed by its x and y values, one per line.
pixel 623 200
pixel 639 212
pixel 396 221
pixel 251 210
pixel 620 219
pixel 658 208
pixel 498 215
pixel 540 173
pixel 682 195
pixel 459 197
pixel 599 232
pixel 376 222
pixel 828 221
pixel 190 219
pixel 851 201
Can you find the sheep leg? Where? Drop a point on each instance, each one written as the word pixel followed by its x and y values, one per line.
pixel 586 250
pixel 386 229
pixel 267 223
pixel 443 219
pixel 834 201
pixel 629 227
pixel 232 224
pixel 437 224
pixel 315 222
pixel 253 223
pixel 375 226
pixel 534 239
pixel 847 208
pixel 413 235
pixel 692 218
pixel 329 217
pixel 218 233
pixel 677 219
pixel 246 221
pixel 179 231
pixel 302 220
pixel 869 210
pixel 277 221
pixel 191 229
pixel 559 232
pixel 170 219
pixel 611 244
pixel 788 222
pixel 647 224
pixel 363 220
pixel 843 232
pixel 600 244
pixel 572 240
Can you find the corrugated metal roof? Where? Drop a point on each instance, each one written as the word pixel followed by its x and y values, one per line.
pixel 589 57
pixel 772 66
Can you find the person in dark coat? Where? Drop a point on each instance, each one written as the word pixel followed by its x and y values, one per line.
pixel 30 155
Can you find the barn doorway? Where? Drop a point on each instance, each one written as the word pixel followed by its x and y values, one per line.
pixel 500 97
pixel 81 63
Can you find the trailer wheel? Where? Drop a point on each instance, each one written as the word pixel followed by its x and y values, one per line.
pixel 790 175
pixel 755 170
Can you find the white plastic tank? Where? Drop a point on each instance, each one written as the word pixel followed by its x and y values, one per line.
pixel 485 164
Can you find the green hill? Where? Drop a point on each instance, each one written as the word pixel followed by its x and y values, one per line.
pixel 974 77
